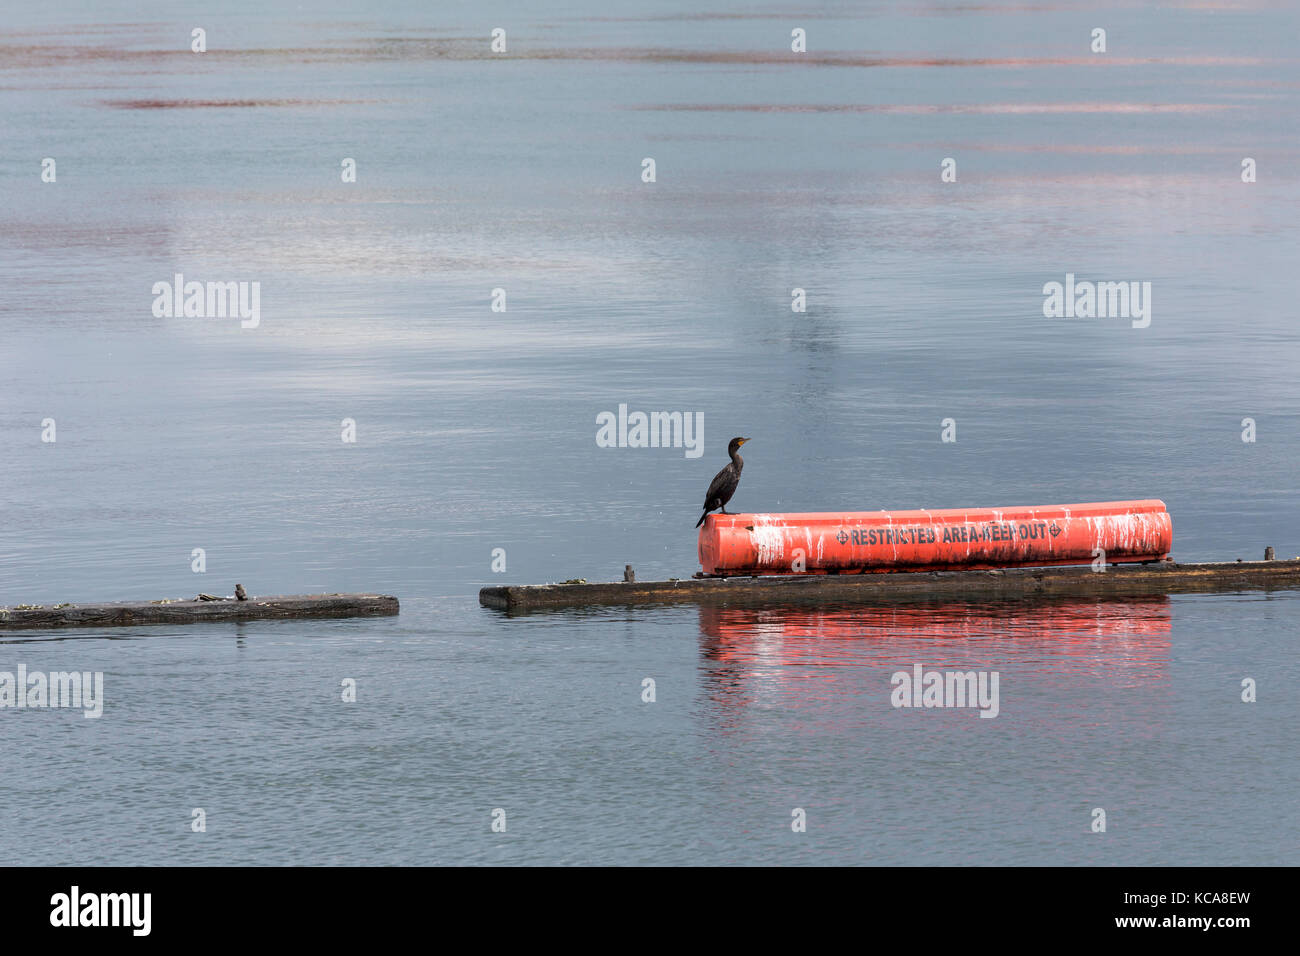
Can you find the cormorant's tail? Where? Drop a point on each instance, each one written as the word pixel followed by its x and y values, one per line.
pixel 701 521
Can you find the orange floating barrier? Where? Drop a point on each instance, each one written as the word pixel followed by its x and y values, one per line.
pixel 865 542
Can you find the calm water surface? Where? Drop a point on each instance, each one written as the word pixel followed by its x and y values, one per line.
pixel 476 429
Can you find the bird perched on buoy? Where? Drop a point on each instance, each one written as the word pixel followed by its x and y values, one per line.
pixel 240 593
pixel 724 482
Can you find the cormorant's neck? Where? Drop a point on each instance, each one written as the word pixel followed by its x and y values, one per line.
pixel 736 459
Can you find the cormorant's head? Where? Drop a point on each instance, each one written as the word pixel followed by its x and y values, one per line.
pixel 735 445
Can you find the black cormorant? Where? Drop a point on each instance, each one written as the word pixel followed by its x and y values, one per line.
pixel 724 482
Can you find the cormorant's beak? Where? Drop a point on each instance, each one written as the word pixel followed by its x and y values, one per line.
pixel 743 440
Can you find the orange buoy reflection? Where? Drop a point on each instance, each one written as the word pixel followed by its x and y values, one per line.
pixel 1057 651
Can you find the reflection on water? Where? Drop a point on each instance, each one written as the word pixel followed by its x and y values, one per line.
pixel 924 108
pixel 804 656
pixel 1078 633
